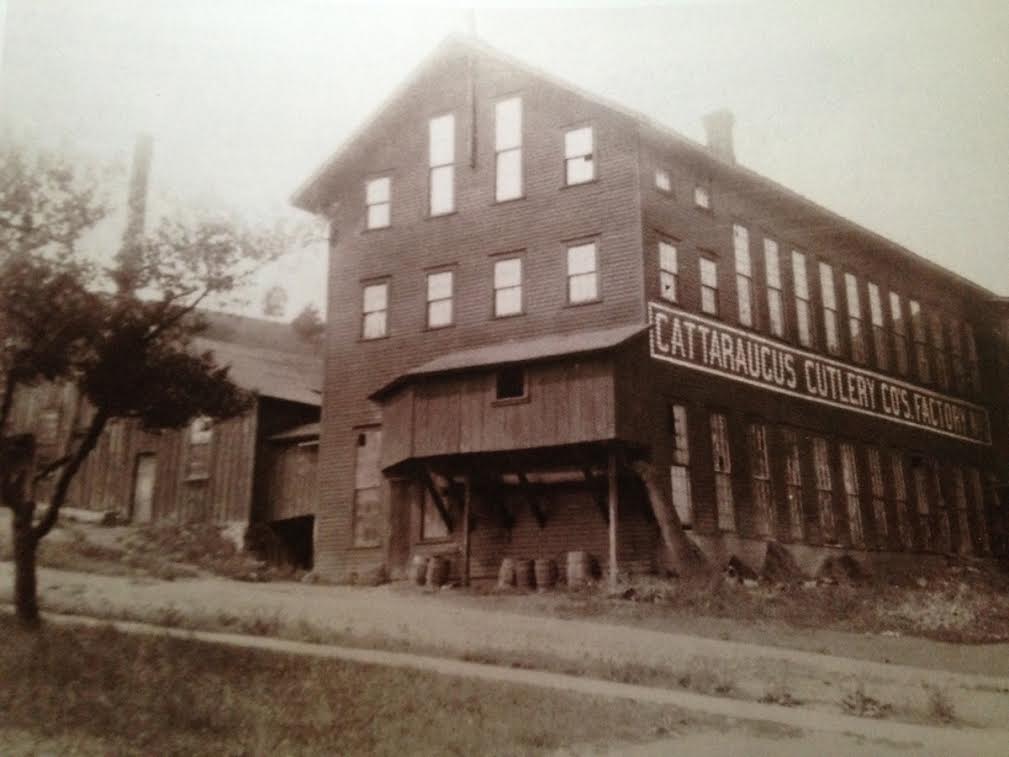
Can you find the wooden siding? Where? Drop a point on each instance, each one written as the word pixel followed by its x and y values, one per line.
pixel 291 486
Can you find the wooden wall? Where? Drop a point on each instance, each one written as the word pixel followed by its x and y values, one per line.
pixel 290 485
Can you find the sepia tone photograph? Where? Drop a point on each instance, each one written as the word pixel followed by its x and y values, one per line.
pixel 474 379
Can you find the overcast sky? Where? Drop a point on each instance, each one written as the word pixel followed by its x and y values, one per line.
pixel 895 113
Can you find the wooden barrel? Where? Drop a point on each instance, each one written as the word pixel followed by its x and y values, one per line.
pixel 579 568
pixel 546 574
pixel 437 571
pixel 418 569
pixel 506 574
pixel 524 574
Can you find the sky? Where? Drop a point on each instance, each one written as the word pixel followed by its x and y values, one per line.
pixel 893 114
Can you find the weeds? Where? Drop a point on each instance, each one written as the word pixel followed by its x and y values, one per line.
pixel 940 705
pixel 860 704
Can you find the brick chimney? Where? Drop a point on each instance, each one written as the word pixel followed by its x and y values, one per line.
pixel 718 126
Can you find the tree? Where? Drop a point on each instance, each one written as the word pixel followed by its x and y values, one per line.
pixel 121 332
pixel 308 324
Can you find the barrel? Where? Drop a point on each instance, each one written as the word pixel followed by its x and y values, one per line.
pixel 437 571
pixel 524 574
pixel 506 574
pixel 579 568
pixel 546 574
pixel 418 569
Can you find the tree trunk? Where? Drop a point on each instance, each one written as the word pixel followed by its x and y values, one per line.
pixel 685 556
pixel 26 543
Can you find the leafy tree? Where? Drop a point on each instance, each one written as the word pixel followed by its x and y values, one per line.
pixel 308 324
pixel 122 333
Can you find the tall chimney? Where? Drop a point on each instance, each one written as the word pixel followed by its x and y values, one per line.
pixel 136 211
pixel 718 126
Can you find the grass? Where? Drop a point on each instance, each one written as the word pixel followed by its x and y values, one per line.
pixel 940 706
pixel 108 692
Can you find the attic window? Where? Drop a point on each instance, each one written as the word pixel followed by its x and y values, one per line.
pixel 511 383
pixel 663 182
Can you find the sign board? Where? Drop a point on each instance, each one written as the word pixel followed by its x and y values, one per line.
pixel 708 345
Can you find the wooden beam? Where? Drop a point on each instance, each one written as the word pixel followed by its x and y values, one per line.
pixel 439 502
pixel 596 490
pixel 613 497
pixel 534 504
pixel 466 498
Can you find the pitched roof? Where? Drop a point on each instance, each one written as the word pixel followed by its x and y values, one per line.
pixel 307 198
pixel 524 351
pixel 255 332
pixel 270 373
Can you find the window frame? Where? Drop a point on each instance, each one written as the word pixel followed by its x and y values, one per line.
pixel 721 468
pixel 590 157
pixel 761 479
pixel 428 275
pixel 856 322
pixel 794 489
pixel 438 167
pixel 372 481
pixel 898 330
pixel 877 319
pixel 828 304
pixel 663 172
pixel 594 273
pixel 741 253
pixel 365 286
pixel 517 369
pixel 937 341
pixel 702 190
pixel 775 291
pixel 851 489
pixel 919 339
pixel 712 259
pixel 500 152
pixel 805 323
pixel 679 469
pixel 668 274
pixel 369 205
pixel 824 477
pixel 520 287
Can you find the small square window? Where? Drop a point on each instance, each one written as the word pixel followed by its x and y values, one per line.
pixel 511 383
pixel 663 182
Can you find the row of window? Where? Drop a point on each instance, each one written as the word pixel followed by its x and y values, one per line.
pixel 509 179
pixel 944 353
pixel 894 522
pixel 582 286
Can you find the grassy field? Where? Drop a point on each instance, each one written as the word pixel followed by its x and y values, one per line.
pixel 97 691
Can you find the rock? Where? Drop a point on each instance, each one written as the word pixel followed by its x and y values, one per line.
pixel 780 565
pixel 739 571
pixel 922 582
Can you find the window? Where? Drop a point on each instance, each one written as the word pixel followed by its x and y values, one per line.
pixel 775 298
pixel 702 196
pixel 432 525
pixel 854 318
pixel 723 472
pixel 824 489
pixel 973 374
pixel 668 271
pixel 939 350
pixel 878 332
pixel 510 383
pixel 744 274
pixel 803 309
pixel 943 534
pixel 201 434
pixel 507 287
pixel 829 297
pixel 441 162
pixel 960 507
pixel 663 182
pixel 508 149
pixel 439 299
pixel 367 518
pixel 956 357
pixel 679 471
pixel 920 476
pixel 583 274
pixel 849 478
pixel 878 492
pixel 899 333
pixel 375 311
pixel 709 286
pixel 900 501
pixel 760 467
pixel 579 161
pixel 982 545
pixel 378 198
pixel 793 483
pixel 920 343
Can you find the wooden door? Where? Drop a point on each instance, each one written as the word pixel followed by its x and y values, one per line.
pixel 144 475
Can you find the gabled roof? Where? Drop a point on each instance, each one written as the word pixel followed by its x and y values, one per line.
pixel 524 351
pixel 307 197
pixel 270 373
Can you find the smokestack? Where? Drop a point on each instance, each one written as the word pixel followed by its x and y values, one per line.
pixel 136 211
pixel 718 126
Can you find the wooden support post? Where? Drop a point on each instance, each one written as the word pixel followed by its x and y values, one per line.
pixel 466 509
pixel 613 495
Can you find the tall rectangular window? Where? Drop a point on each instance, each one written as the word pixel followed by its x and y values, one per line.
pixel 679 471
pixel 775 297
pixel 899 333
pixel 579 160
pixel 956 357
pixel 663 181
pixel 508 149
pixel 920 342
pixel 939 350
pixel 921 476
pixel 855 330
pixel 201 435
pixel 878 497
pixel 982 545
pixel 803 309
pixel 793 483
pixel 375 311
pixel 722 462
pixel 829 297
pixel 760 467
pixel 367 520
pixel 441 162
pixel 900 501
pixel 960 508
pixel 879 346
pixel 507 287
pixel 853 503
pixel 744 274
pixel 824 489
pixel 702 195
pixel 973 373
pixel 583 273
pixel 944 537
pixel 709 286
pixel 439 299
pixel 669 271
pixel 378 198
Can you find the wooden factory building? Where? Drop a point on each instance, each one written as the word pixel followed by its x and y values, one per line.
pixel 530 288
